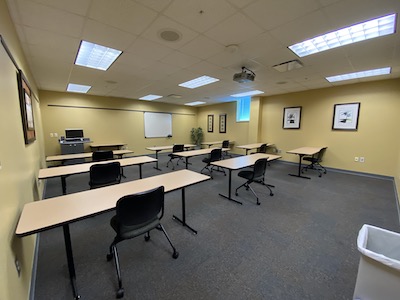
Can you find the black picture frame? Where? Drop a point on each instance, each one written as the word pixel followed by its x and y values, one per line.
pixel 25 99
pixel 210 123
pixel 291 117
pixel 222 123
pixel 345 116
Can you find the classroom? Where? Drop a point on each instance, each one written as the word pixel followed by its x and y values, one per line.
pixel 366 156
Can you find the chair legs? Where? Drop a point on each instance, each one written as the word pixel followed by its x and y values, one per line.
pixel 113 252
pixel 315 166
pixel 247 186
pixel 211 169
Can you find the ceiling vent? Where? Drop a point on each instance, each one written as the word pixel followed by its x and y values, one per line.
pixel 288 66
pixel 245 76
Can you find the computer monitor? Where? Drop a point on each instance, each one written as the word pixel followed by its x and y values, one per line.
pixel 73 133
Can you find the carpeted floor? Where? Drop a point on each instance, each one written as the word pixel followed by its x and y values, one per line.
pixel 298 244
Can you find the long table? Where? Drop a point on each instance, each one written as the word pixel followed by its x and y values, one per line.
pixel 240 162
pixel 191 153
pixel 162 148
pixel 43 215
pixel 302 151
pixel 248 147
pixel 107 145
pixel 64 157
pixel 64 171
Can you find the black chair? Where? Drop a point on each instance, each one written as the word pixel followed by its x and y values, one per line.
pixel 215 155
pixel 225 144
pixel 176 148
pixel 137 214
pixel 102 155
pixel 255 175
pixel 315 162
pixel 261 149
pixel 104 174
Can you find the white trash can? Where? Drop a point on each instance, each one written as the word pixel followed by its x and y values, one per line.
pixel 379 269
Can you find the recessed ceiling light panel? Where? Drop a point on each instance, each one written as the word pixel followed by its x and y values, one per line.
pixel 355 33
pixel 198 82
pixel 78 88
pixel 150 97
pixel 250 93
pixel 195 103
pixel 362 74
pixel 96 56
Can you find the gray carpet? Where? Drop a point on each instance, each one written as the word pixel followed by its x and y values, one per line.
pixel 298 244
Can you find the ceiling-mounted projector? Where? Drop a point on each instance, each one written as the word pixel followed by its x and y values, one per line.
pixel 245 76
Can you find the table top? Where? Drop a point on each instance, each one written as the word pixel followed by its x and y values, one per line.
pixel 215 142
pixel 49 213
pixel 85 167
pixel 160 148
pixel 244 161
pixel 252 146
pixel 82 155
pixel 191 153
pixel 305 150
pixel 107 144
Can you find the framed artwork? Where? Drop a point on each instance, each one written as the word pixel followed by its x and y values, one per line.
pixel 222 123
pixel 291 117
pixel 210 123
pixel 345 116
pixel 25 99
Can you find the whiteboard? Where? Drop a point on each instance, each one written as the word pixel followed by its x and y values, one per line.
pixel 157 125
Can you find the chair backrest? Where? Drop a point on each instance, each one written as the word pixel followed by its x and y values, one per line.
pixel 262 149
pixel 102 155
pixel 105 174
pixel 225 144
pixel 259 168
pixel 178 148
pixel 139 208
pixel 215 154
pixel 321 154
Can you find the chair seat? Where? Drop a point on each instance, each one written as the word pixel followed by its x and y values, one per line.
pixel 128 232
pixel 246 174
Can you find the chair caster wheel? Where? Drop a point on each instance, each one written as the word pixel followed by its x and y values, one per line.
pixel 258 203
pixel 271 194
pixel 120 293
pixel 236 194
pixel 146 238
pixel 109 256
pixel 175 255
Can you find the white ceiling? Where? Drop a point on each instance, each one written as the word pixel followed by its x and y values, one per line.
pixel 51 30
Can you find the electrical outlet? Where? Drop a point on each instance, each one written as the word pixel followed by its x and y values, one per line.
pixel 51 134
pixel 55 134
pixel 362 159
pixel 356 158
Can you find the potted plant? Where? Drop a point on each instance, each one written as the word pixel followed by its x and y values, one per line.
pixel 196 135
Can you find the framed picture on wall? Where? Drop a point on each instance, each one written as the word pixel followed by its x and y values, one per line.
pixel 210 123
pixel 222 123
pixel 345 116
pixel 291 117
pixel 25 99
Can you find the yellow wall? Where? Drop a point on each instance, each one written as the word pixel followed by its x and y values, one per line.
pixel 376 138
pixel 19 167
pixel 118 120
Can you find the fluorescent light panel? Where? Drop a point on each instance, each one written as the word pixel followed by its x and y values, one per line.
pixel 78 88
pixel 362 74
pixel 195 103
pixel 355 33
pixel 251 93
pixel 197 82
pixel 150 97
pixel 96 56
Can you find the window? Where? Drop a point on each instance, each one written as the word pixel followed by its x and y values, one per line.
pixel 243 109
